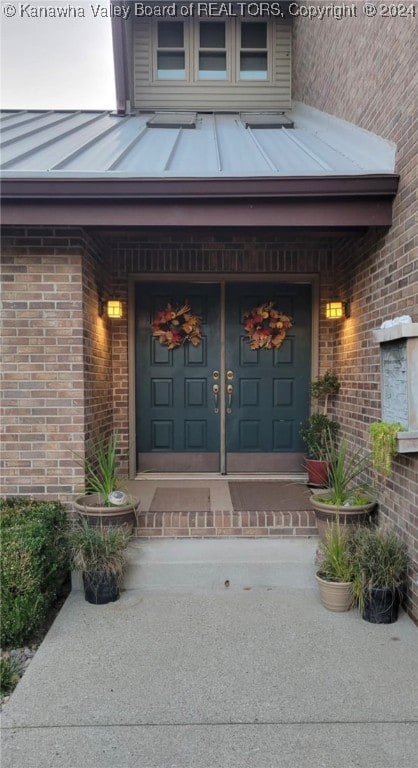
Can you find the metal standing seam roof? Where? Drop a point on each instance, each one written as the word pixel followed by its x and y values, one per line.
pixel 78 144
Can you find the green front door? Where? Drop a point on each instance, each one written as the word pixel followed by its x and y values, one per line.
pixel 221 406
pixel 268 393
pixel 177 418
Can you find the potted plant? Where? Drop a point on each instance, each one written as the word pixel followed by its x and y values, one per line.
pixel 335 568
pixel 99 552
pixel 346 495
pixel 314 433
pixel 383 436
pixel 381 562
pixel 104 503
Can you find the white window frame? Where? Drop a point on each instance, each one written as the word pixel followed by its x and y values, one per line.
pixel 268 50
pixel 198 50
pixel 156 49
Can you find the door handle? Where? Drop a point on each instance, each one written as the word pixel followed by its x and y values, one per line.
pixel 229 391
pixel 215 390
pixel 230 375
pixel 215 375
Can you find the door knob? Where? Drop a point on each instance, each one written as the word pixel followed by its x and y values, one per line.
pixel 215 390
pixel 215 375
pixel 229 391
pixel 230 375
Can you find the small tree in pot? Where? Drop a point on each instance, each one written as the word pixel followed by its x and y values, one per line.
pixel 319 427
pixel 99 552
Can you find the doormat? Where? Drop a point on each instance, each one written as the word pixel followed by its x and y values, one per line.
pixel 181 500
pixel 269 496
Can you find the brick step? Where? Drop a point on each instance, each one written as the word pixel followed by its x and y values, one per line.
pixel 225 523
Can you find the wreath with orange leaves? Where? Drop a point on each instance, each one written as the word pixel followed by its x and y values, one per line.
pixel 265 326
pixel 174 326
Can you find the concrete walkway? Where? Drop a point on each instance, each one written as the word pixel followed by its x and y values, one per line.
pixel 211 676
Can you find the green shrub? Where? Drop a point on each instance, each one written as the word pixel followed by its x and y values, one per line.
pixel 98 548
pixel 34 564
pixel 9 675
pixel 336 562
pixel 381 560
pixel 315 433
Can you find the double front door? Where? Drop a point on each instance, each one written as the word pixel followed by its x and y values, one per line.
pixel 220 406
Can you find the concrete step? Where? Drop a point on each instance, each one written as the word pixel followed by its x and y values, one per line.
pixel 206 564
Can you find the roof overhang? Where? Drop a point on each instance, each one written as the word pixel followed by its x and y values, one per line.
pixel 337 201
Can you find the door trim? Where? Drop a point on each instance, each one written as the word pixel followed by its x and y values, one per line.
pixel 222 446
pixel 311 279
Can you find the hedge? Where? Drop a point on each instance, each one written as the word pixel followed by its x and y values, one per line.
pixel 34 564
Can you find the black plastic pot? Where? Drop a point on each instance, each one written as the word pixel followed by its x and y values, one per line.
pixel 381 605
pixel 100 588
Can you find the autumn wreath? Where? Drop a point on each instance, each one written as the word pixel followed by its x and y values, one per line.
pixel 265 326
pixel 174 326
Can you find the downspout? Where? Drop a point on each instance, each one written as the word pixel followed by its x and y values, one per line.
pixel 121 29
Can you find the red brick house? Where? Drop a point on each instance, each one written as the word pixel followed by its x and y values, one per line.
pixel 250 159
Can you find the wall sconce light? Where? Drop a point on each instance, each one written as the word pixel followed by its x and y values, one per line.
pixel 335 310
pixel 112 308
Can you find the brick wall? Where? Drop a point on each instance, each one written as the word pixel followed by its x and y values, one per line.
pixel 56 364
pixel 97 348
pixel 365 71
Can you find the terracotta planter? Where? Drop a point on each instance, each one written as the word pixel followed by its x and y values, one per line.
pixel 317 472
pixel 335 595
pixel 90 507
pixel 349 516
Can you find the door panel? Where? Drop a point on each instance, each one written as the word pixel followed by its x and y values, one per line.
pixel 176 427
pixel 271 387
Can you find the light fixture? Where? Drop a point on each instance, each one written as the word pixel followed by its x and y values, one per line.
pixel 335 310
pixel 112 307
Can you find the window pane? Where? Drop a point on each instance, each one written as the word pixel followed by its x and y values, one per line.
pixel 253 35
pixel 212 66
pixel 253 66
pixel 170 66
pixel 170 34
pixel 212 34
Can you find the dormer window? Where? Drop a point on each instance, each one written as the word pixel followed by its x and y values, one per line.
pixel 212 64
pixel 171 59
pixel 253 63
pixel 212 51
